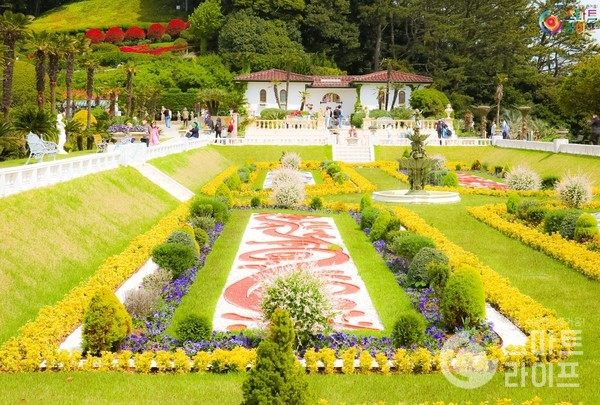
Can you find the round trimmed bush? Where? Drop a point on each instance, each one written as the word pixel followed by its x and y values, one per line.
pixel 205 223
pixel 532 211
pixel 408 330
pixel 134 33
pixel 114 35
pixel 437 275
pixel 464 299
pixel 175 26
pixel 436 177
pixel 166 38
pixel 391 235
pixel 106 323
pixel 219 212
pixel 552 220
pixel 409 245
pixel 224 195
pixel 255 202
pixel 368 217
pixel 567 225
pixel 365 202
pixel 156 31
pixel 141 301
pixel 512 204
pixel 316 203
pixel 201 237
pixel 585 228
pixel 380 225
pixel 549 182
pixel 182 238
pixel 450 180
pixel 193 328
pixel 417 270
pixel 174 257
pixel 95 35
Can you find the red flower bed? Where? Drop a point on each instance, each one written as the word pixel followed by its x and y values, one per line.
pixel 156 31
pixel 175 27
pixel 134 33
pixel 95 35
pixel 114 35
pixel 146 49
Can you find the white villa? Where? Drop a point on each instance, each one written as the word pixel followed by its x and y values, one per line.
pixel 326 91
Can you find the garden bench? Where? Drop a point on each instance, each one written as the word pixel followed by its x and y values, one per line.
pixel 38 148
pixel 101 144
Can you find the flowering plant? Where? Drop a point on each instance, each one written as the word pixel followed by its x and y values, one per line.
pixel 118 128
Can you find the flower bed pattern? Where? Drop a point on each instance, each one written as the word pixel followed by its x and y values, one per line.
pixel 571 253
pixel 274 240
pixel 470 180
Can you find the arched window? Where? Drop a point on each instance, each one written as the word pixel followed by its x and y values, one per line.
pixel 283 96
pixel 331 98
pixel 263 96
pixel 401 98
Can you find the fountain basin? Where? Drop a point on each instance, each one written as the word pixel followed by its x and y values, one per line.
pixel 425 197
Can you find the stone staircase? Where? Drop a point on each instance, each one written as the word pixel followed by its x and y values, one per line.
pixel 352 153
pixel 165 182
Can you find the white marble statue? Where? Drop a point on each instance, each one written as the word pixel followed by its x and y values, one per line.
pixel 62 135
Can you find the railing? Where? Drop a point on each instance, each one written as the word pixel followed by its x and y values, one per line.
pixel 170 148
pixel 275 140
pixel 557 146
pixel 289 123
pixel 16 179
pixel 397 124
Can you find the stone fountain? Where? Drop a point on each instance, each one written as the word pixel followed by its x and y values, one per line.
pixel 417 165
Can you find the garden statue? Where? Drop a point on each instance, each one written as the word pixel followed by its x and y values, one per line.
pixel 418 163
pixel 62 135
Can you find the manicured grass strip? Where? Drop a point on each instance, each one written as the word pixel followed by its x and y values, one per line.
pixel 260 180
pixel 573 254
pixel 239 155
pixel 382 180
pixel 544 163
pixel 203 296
pixel 54 238
pixel 317 176
pixel 388 297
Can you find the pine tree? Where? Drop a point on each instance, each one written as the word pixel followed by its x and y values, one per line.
pixel 276 378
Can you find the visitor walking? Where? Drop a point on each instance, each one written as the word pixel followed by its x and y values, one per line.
pixel 504 129
pixel 327 117
pixel 218 129
pixel 167 115
pixel 185 116
pixel 337 112
pixel 595 124
pixel 493 129
pixel 154 135
pixel 209 124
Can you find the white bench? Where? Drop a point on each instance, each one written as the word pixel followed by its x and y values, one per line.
pixel 38 148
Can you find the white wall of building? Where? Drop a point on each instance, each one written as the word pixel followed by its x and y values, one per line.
pixel 253 95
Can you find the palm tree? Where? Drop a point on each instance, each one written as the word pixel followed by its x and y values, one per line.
pixel 41 45
pixel 303 96
pixel 74 46
pixel 396 86
pixel 90 64
pixel 380 96
pixel 130 71
pixel 276 91
pixel 13 28
pixel 57 49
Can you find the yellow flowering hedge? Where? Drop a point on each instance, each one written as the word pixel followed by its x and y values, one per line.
pixel 356 184
pixel 39 339
pixel 499 401
pixel 522 310
pixel 573 254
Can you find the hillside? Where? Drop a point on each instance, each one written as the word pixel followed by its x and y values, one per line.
pixel 105 14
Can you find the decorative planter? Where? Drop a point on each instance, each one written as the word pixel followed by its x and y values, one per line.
pixel 352 141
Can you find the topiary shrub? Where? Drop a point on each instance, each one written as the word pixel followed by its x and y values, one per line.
pixel 224 195
pixel 219 212
pixel 532 212
pixel 522 178
pixel 233 182
pixel 316 203
pixel 166 38
pixel 450 180
pixel 106 323
pixel 205 223
pixel 193 328
pixel 201 237
pixel 175 26
pixel 181 238
pixel 431 102
pixel 114 35
pixel 273 114
pixel 575 190
pixel 368 217
pixel 417 270
pixel 513 203
pixel 408 330
pixel 365 201
pixel 357 119
pixel 585 228
pixel 277 378
pixel 463 301
pixel 436 276
pixel 95 35
pixel 553 219
pixel 255 202
pixel 391 235
pixel 244 173
pixel 567 225
pixel 380 225
pixel 180 43
pixel 174 257
pixel 549 182
pixel 156 31
pixel 134 34
pixel 408 246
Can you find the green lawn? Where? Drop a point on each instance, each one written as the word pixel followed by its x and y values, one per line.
pixel 544 163
pixel 86 14
pixel 54 238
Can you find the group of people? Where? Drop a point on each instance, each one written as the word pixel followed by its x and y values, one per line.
pixel 333 118
pixel 442 129
pixel 214 127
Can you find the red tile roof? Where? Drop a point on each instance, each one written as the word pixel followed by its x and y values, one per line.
pixel 381 77
pixel 333 81
pixel 272 75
